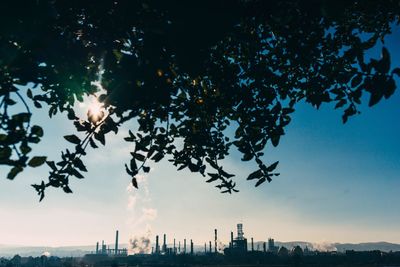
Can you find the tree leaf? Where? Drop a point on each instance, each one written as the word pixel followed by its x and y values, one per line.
pixel 37 161
pixel 67 189
pixel 134 182
pixel 5 152
pixel 272 166
pixel 77 174
pixel 212 163
pixel 133 164
pixel 255 175
pixel 79 164
pixel 275 139
pixel 29 93
pixel 385 61
pixel 37 104
pixel 13 172
pixel 356 80
pixel 260 181
pixel 138 156
pixel 73 139
pixel 375 98
pixel 247 156
pixel 37 130
pixel 341 103
pixel 100 137
pixel 396 71
pixel 214 177
pixel 158 156
pixel 146 169
pixel 389 88
pixel 225 174
pixel 52 165
pixel 92 143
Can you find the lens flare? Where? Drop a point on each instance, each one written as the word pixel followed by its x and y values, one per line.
pixel 96 111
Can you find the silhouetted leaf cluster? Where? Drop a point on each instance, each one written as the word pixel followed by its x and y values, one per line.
pixel 199 77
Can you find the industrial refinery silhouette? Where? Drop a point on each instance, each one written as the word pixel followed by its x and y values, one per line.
pixel 238 252
pixel 237 245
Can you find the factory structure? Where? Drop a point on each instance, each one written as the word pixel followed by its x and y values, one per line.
pixel 239 252
pixel 175 249
pixel 106 250
pixel 237 246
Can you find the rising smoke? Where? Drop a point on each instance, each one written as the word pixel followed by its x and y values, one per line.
pixel 140 245
pixel 46 253
pixel 325 246
pixel 221 246
pixel 140 218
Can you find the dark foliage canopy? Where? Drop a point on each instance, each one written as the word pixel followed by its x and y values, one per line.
pixel 199 77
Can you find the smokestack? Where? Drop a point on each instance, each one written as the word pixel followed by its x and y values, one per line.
pixel 252 245
pixel 240 234
pixel 264 247
pixel 215 239
pixel 116 242
pixel 165 244
pixel 179 246
pixel 205 248
pixel 231 239
pixel 174 247
pixel 191 246
pixel 210 248
pixel 157 245
pixel 103 247
pixel 97 248
pixel 184 246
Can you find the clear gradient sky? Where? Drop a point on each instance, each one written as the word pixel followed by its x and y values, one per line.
pixel 338 183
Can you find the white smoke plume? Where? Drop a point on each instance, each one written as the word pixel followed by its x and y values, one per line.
pixel 46 253
pixel 324 246
pixel 141 215
pixel 220 246
pixel 140 244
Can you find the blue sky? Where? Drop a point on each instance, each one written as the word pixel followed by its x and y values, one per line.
pixel 338 183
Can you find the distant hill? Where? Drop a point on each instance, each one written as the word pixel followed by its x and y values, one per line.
pixel 340 247
pixel 69 251
pixel 382 246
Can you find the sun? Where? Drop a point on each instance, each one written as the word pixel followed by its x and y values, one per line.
pixel 95 111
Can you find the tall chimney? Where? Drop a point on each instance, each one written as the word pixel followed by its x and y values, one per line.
pixel 191 246
pixel 157 245
pixel 179 246
pixel 165 244
pixel 103 247
pixel 215 239
pixel 252 245
pixel 97 248
pixel 264 247
pixel 174 247
pixel 184 246
pixel 231 239
pixel 205 248
pixel 210 247
pixel 116 242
